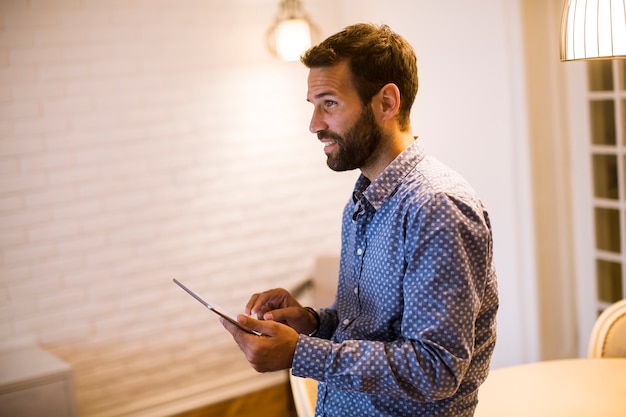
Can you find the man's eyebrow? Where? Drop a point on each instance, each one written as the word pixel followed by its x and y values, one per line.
pixel 323 94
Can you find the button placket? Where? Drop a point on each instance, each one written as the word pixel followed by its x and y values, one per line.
pixel 360 244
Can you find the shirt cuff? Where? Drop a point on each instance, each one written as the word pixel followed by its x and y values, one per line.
pixel 310 357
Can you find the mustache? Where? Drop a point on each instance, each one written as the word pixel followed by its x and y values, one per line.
pixel 327 134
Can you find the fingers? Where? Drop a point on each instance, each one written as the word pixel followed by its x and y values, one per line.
pixel 260 326
pixel 297 318
pixel 271 352
pixel 232 329
pixel 251 304
pixel 261 303
pixel 282 315
pixel 274 349
pixel 251 323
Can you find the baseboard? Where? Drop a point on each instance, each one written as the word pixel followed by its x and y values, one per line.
pixel 199 395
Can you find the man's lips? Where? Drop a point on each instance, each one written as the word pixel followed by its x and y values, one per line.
pixel 328 144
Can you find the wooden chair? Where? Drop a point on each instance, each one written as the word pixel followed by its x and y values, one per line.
pixel 304 391
pixel 608 336
pixel 324 281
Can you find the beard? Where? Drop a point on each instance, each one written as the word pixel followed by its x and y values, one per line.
pixel 358 146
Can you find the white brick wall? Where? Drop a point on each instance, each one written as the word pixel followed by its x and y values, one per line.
pixel 140 141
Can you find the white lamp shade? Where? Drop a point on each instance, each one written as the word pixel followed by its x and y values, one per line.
pixel 292 37
pixel 593 29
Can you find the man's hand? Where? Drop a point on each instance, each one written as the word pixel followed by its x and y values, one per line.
pixel 278 305
pixel 272 351
pixel 260 304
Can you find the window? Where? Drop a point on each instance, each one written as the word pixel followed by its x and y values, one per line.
pixel 607 116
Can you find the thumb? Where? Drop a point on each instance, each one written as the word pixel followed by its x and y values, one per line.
pixel 282 315
pixel 264 327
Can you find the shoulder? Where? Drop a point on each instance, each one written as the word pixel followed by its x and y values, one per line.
pixel 434 189
pixel 430 178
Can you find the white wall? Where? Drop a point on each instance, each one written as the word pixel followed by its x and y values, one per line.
pixel 141 141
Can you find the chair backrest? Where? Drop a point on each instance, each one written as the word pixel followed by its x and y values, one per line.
pixel 608 337
pixel 324 278
pixel 304 392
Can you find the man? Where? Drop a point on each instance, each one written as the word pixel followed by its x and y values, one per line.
pixel 412 328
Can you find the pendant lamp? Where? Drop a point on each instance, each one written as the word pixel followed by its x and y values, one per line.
pixel 593 29
pixel 290 35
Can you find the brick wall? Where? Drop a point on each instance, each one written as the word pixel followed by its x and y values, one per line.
pixel 140 141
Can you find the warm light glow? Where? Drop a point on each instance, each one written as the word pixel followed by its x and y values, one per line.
pixel 593 29
pixel 292 32
pixel 293 37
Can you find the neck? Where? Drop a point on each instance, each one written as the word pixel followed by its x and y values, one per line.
pixel 390 149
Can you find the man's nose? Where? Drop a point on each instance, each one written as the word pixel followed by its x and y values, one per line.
pixel 317 122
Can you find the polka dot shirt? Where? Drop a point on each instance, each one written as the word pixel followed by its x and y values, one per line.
pixel 412 328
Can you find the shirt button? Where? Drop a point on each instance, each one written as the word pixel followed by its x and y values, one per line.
pixel 346 322
pixel 356 290
pixel 359 251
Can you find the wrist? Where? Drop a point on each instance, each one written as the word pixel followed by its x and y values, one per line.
pixel 316 320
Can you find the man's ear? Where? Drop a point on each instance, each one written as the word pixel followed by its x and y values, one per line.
pixel 389 101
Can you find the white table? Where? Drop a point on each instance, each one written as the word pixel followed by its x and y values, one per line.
pixel 561 388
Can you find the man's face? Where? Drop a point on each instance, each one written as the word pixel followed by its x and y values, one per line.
pixel 348 130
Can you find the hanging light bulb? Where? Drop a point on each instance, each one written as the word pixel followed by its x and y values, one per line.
pixel 291 33
pixel 293 36
pixel 593 29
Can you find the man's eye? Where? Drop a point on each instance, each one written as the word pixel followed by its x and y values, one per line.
pixel 329 103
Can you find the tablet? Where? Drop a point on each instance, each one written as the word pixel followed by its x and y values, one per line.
pixel 217 310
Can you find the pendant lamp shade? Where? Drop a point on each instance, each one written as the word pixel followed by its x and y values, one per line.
pixel 593 29
pixel 290 35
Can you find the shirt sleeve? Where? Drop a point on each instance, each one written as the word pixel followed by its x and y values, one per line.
pixel 447 249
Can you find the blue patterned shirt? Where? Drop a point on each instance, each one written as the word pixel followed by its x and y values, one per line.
pixel 412 328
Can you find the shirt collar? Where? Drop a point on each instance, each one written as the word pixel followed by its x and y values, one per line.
pixel 378 191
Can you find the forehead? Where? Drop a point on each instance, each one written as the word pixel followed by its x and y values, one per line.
pixel 335 80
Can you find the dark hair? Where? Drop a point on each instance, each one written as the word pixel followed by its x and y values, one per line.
pixel 376 56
